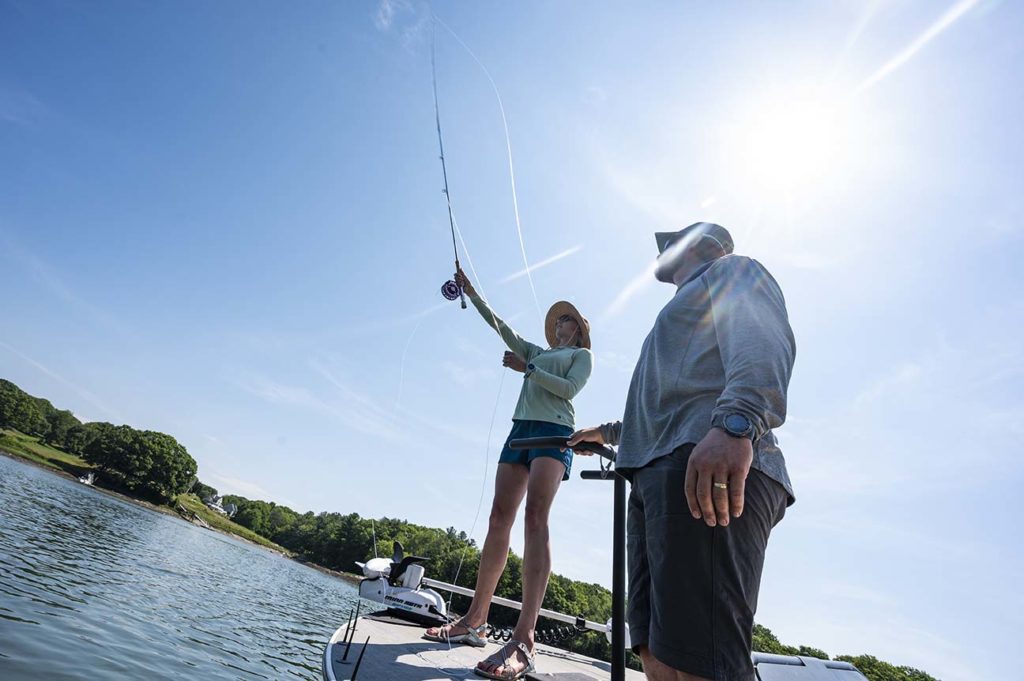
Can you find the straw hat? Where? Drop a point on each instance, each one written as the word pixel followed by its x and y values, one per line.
pixel 557 310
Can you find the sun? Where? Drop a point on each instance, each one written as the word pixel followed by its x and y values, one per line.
pixel 787 147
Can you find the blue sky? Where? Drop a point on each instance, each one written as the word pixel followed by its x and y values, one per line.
pixel 224 221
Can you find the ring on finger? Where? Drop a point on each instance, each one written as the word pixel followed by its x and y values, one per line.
pixel 721 485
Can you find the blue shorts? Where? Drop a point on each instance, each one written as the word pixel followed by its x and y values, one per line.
pixel 523 428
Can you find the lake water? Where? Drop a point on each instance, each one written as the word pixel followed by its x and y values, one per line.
pixel 95 587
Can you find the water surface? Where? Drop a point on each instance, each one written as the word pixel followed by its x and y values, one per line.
pixel 95 587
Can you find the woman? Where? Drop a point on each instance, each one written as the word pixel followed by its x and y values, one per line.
pixel 551 378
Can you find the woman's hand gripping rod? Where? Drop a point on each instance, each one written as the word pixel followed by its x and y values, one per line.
pixel 603 451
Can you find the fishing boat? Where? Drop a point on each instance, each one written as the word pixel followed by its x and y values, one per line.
pixel 388 644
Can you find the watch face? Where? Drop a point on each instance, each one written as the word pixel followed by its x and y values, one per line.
pixel 737 423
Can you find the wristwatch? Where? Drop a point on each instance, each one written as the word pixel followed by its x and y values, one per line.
pixel 734 424
pixel 530 368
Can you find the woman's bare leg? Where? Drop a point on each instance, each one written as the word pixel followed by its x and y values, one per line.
pixel 510 485
pixel 545 477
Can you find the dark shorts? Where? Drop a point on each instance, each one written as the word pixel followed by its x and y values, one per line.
pixel 693 588
pixel 522 428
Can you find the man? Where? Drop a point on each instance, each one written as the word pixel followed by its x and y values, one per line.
pixel 708 479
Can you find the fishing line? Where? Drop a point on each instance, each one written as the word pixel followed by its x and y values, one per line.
pixel 401 365
pixel 508 150
pixel 457 670
pixel 494 416
pixel 483 488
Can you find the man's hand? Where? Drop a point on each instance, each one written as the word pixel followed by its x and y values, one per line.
pixel 718 458
pixel 513 362
pixel 585 435
pixel 463 281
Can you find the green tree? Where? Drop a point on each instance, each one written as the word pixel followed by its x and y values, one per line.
pixel 766 642
pixel 203 491
pixel 78 437
pixel 280 521
pixel 878 670
pixel 59 424
pixel 19 410
pixel 252 514
pixel 143 461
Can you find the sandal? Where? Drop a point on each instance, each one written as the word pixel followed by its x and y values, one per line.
pixel 507 673
pixel 474 636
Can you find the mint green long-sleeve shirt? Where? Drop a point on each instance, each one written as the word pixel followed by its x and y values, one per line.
pixel 559 375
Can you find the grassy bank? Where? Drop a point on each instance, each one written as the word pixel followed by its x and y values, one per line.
pixel 31 448
pixel 194 505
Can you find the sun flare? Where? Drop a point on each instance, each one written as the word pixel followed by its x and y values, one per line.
pixel 788 147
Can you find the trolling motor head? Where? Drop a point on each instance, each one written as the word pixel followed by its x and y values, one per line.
pixel 397 582
pixel 381 567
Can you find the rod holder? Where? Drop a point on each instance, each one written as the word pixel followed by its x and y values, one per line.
pixel 351 634
pixel 360 659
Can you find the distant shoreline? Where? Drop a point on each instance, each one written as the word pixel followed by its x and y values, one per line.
pixel 165 510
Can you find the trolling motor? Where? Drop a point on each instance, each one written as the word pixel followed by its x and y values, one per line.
pixel 398 583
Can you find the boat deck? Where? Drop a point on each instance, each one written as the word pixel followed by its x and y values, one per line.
pixel 397 652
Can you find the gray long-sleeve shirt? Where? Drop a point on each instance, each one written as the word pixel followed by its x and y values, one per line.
pixel 723 344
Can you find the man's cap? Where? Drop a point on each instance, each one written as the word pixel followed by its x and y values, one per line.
pixel 696 231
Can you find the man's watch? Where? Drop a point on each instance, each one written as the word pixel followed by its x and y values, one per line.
pixel 530 368
pixel 734 424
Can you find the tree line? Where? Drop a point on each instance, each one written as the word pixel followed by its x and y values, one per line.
pixel 155 466
pixel 143 463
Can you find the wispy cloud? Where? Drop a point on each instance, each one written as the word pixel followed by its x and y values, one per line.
pixel 868 12
pixel 353 406
pixel 944 22
pixel 386 12
pixel 21 108
pixel 354 413
pixel 276 340
pixel 899 376
pixel 638 284
pixel 543 263
pixel 855 592
pixel 893 638
pixel 616 361
pixel 82 392
pixel 359 409
pixel 465 376
pixel 54 281
pixel 229 485
pixel 595 94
